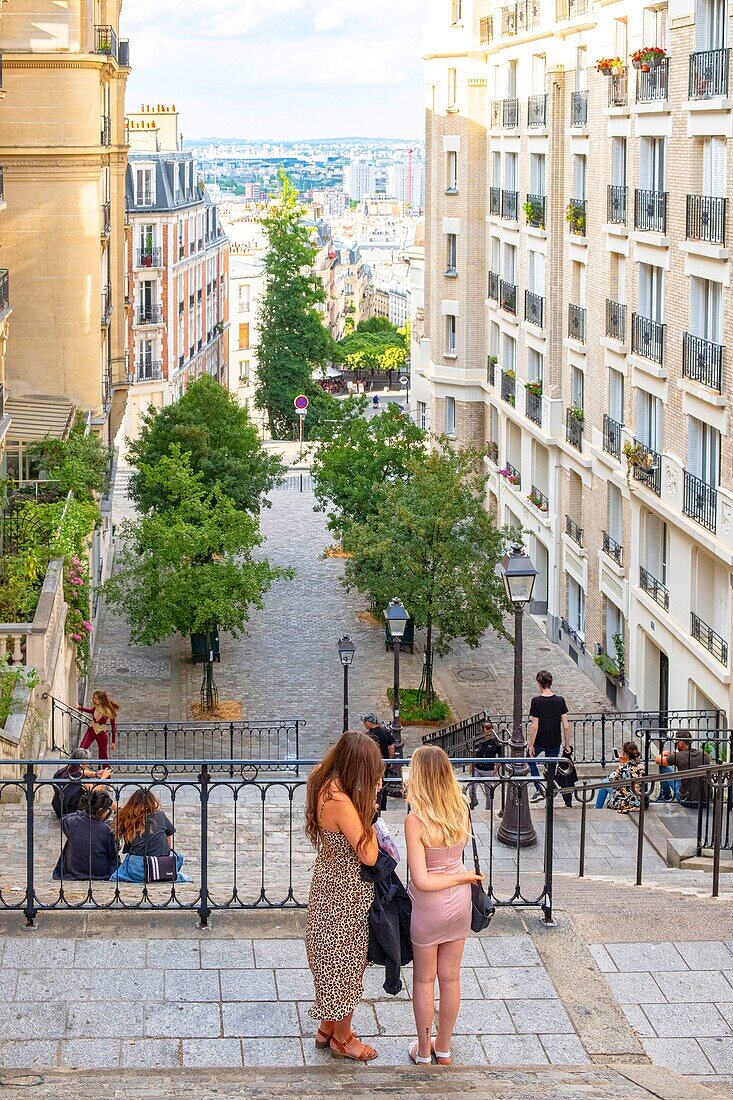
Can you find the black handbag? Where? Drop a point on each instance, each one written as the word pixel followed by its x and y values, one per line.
pixel 160 868
pixel 482 908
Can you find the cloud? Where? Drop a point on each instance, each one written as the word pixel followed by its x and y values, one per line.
pixel 328 19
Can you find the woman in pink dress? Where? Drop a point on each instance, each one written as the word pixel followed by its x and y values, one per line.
pixel 436 831
pixel 103 709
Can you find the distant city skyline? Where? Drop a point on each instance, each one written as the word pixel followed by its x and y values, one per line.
pixel 283 70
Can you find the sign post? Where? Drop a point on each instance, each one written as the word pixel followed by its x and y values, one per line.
pixel 301 407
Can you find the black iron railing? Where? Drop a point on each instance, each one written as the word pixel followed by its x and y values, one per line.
pixel 654 588
pixel 576 323
pixel 528 15
pixel 508 20
pixel 512 474
pixel 614 549
pixel 491 370
pixel 149 257
pixel 574 428
pixel 618 90
pixel 540 500
pixel 705 218
pixel 534 211
pixel 573 530
pixel 105 130
pixel 707 637
pixel 508 388
pixel 611 436
pixel 647 338
pixel 2 182
pixel 149 315
pixel 575 636
pixel 148 372
pixel 493 289
pixel 708 74
pixel 653 85
pixel 534 308
pixel 508 296
pixel 124 53
pixel 648 467
pixel 106 219
pixel 509 205
pixel 510 114
pixel 4 288
pixel 492 450
pixel 650 210
pixel 486 30
pixel 575 216
pixel 105 39
pixel 570 9
pixel 578 108
pixel 615 320
pixel 702 361
pixel 533 407
pixel 616 204
pixel 700 501
pixel 537 111
pixel 495 200
pixel 106 305
pixel 496 113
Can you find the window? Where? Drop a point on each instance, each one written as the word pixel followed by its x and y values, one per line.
pixel 496 169
pixel 615 513
pixel 510 264
pixel 581 69
pixel 496 255
pixel 577 387
pixel 456 11
pixel 620 38
pixel 711 19
pixel 616 395
pixel 452 171
pixel 450 334
pixel 714 167
pixel 579 176
pixel 422 415
pixel 452 87
pixel 539 70
pixel 510 171
pixel 511 80
pixel 493 424
pixel 537 173
pixel 618 161
pixel 655 27
pixel 450 416
pixel 451 253
pixel 703 451
pixel 706 309
pixel 535 365
pixel 144 190
pixel 614 626
pixel 244 336
pixel 651 292
pixel 652 163
pixel 649 420
pixel 576 606
pixel 656 547
pixel 494 337
pixel 537 273
pixel 509 354
pixel 244 289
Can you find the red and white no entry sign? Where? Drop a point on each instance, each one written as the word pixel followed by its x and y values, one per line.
pixel 301 402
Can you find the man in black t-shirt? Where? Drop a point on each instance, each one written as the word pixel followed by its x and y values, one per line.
pixel 385 740
pixel 486 750
pixel 549 726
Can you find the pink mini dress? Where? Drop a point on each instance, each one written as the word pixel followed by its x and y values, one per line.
pixel 440 916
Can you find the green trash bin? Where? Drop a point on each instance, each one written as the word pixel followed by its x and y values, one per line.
pixel 199 643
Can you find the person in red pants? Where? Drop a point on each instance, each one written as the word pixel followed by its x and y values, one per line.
pixel 103 710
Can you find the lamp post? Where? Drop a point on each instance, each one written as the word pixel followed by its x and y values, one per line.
pixel 518 574
pixel 397 620
pixel 346 656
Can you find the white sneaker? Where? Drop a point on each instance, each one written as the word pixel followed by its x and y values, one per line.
pixel 537 797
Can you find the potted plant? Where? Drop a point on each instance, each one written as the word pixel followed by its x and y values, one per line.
pixel 577 413
pixel 575 217
pixel 610 66
pixel 648 57
pixel 534 214
pixel 510 373
pixel 637 458
pixel 534 388
pixel 607 663
pixel 533 498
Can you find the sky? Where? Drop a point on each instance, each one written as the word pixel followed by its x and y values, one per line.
pixel 280 69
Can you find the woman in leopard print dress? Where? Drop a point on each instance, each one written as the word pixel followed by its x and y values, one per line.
pixel 340 807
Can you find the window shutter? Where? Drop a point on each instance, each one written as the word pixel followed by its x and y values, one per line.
pixel 694 446
pixel 721 587
pixel 654 545
pixel 702 25
pixel 715 312
pixel 614 513
pixel 697 308
pixel 496 169
pixel 718 167
pixel 645 164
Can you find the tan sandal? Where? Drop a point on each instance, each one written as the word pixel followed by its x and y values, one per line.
pixel 323 1039
pixel 340 1051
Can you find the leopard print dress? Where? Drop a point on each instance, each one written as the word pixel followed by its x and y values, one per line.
pixel 337 928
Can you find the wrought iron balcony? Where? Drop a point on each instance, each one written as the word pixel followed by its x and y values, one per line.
pixel 576 323
pixel 106 219
pixel 616 204
pixel 534 308
pixel 2 400
pixel 496 113
pixel 491 370
pixel 653 85
pixel 654 588
pixel 512 474
pixel 508 387
pixel 647 338
pixel 573 634
pixel 702 361
pixel 509 205
pixel 149 315
pixel 538 498
pixel 578 108
pixel 575 217
pixel 4 289
pixel 124 53
pixel 574 423
pixel 648 468
pixel 705 220
pixel 105 131
pixel 149 257
pixel 494 286
pixel 615 320
pixel 573 531
pixel 533 407
pixel 708 74
pixel 534 211
pixel 537 111
pixel 492 450
pixel 614 549
pixel 495 200
pixel 105 41
pixel 707 637
pixel 106 305
pixel 2 182
pixel 700 501
pixel 611 436
pixel 148 372
pixel 570 9
pixel 508 20
pixel 486 30
pixel 510 114
pixel 650 210
pixel 508 296
pixel 528 15
pixel 618 90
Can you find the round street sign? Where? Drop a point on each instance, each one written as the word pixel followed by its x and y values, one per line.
pixel 301 402
pixel 403 379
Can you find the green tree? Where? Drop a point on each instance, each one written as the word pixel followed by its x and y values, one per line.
pixel 79 463
pixel 374 344
pixel 293 338
pixel 431 542
pixel 360 456
pixel 188 566
pixel 222 444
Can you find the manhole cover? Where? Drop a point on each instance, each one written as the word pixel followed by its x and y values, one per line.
pixel 473 675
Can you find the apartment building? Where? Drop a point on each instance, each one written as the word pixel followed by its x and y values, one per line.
pixel 246 287
pixel 62 147
pixel 578 314
pixel 4 302
pixel 177 268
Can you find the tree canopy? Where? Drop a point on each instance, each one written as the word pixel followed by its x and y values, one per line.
pixel 78 463
pixel 222 445
pixel 375 344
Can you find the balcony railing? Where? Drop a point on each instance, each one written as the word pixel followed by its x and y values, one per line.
pixel 647 338
pixel 106 305
pixel 576 323
pixel 616 204
pixel 573 634
pixel 124 53
pixel 533 407
pixel 705 219
pixel 653 85
pixel 648 467
pixel 486 30
pixel 707 637
pixel 708 74
pixel 510 114
pixel 539 499
pixel 509 205
pixel 700 501
pixel 654 588
pixel 149 257
pixel 573 531
pixel 4 288
pixel 513 475
pixel 491 370
pixel 149 315
pixel 569 9
pixel 495 200
pixel 2 400
pixel 508 20
pixel 492 450
pixel 148 372
pixel 534 211
pixel 494 286
pixel 496 113
pixel 508 387
pixel 614 549
pixel 574 429
pixel 528 15
pixel 618 91
pixel 615 320
pixel 105 39
pixel 534 308
pixel 105 130
pixel 650 210
pixel 508 296
pixel 537 111
pixel 578 108
pixel 611 436
pixel 575 217
pixel 702 361
pixel 2 182
pixel 106 219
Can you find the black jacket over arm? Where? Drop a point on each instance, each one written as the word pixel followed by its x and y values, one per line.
pixel 389 921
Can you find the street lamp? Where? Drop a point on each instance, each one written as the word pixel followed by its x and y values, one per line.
pixel 518 574
pixel 397 620
pixel 346 656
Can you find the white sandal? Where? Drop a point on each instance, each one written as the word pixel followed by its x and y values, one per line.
pixel 415 1057
pixel 442 1054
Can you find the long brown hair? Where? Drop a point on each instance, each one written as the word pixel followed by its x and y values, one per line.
pixel 355 764
pixel 107 704
pixel 133 816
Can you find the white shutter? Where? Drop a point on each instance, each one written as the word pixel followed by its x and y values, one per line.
pixel 618 161
pixel 642 421
pixel 657 409
pixel 645 291
pixel 616 395
pixel 654 557
pixel 702 25
pixel 697 307
pixel 496 169
pixel 662 28
pixel 614 512
pixel 718 167
pixel 721 586
pixel 496 255
pixel 659 154
pixel 694 446
pixel 539 273
pixel 714 318
pixel 645 164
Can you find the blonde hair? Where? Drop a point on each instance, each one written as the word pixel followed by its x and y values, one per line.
pixel 435 797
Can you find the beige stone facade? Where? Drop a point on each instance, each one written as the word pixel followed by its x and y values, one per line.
pixel 4 301
pixel 578 314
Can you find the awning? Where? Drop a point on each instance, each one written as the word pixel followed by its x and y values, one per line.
pixel 35 417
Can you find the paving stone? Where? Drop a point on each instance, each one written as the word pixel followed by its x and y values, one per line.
pixel 514 1050
pixel 176 954
pixel 280 954
pixel 695 986
pixel 719 1052
pixel 681 1055
pixel 128 985
pixel 374 984
pixel 89 1021
pixel 564 1050
pixel 29 1054
pixel 500 982
pixel 9 984
pixel 294 984
pixel 507 951
pixel 725 1008
pixel 635 1015
pixel 227 954
pixel 212 1052
pixel 638 989
pixel 250 985
pixel 640 957
pixel 21 952
pixel 602 959
pixel 150 1053
pixel 706 955
pixel 252 1020
pixel 272 1052
pixel 90 1053
pixel 37 1019
pixel 192 985
pixel 681 1021
pixel 539 1017
pixel 182 1021
pixel 470 987
pixel 365 1022
pixel 484 1018
pixel 122 955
